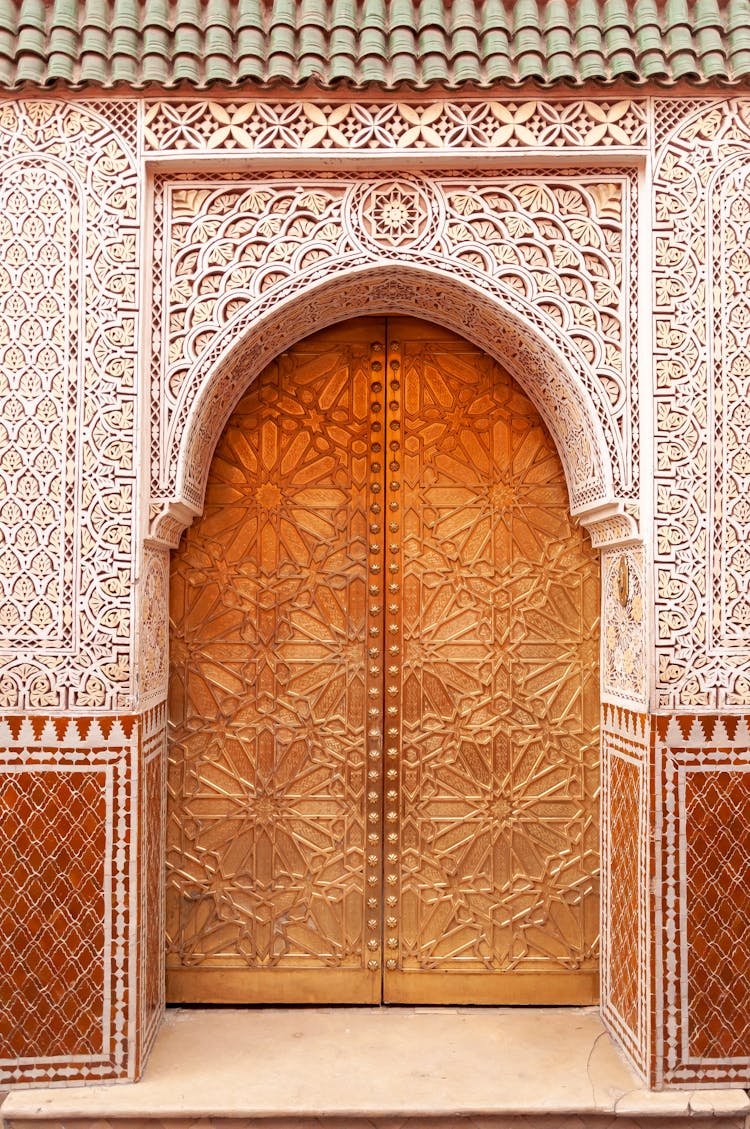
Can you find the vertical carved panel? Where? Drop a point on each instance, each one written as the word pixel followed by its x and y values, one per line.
pixel 269 814
pixel 625 862
pixel 729 519
pixel 702 471
pixel 154 638
pixel 153 756
pixel 69 307
pixel 40 360
pixel 499 761
pixel 624 651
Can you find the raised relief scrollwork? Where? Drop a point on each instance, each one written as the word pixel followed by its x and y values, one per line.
pixel 702 422
pixel 68 287
pixel 625 659
pixel 533 269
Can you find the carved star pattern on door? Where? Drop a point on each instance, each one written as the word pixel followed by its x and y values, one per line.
pixel 385 590
pixel 269 681
pixel 499 767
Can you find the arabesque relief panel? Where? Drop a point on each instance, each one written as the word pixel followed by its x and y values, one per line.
pixel 702 470
pixel 68 308
pixel 554 248
pixel 624 640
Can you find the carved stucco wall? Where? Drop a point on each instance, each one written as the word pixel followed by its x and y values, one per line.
pixel 536 264
pixel 68 340
pixel 546 278
pixel 702 419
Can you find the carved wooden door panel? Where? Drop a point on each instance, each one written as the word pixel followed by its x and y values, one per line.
pixel 273 892
pixel 492 693
pixel 384 692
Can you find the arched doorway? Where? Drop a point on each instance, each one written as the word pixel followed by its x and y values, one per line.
pixel 384 691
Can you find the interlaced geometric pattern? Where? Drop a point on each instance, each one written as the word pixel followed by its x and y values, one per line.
pixel 350 126
pixel 499 615
pixel 52 912
pixel 266 832
pixel 717 873
pixel 701 897
pixel 701 272
pixel 625 865
pixel 490 651
pixel 68 1006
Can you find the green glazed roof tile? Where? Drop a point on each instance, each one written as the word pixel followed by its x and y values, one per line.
pixel 442 44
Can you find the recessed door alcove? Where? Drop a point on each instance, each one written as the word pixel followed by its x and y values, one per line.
pixel 384 691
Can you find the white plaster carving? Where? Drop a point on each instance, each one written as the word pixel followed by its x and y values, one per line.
pixel 535 266
pixel 525 261
pixel 154 626
pixel 624 641
pixel 68 306
pixel 702 424
pixel 40 332
pixel 484 124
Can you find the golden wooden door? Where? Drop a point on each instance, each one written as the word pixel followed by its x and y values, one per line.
pixel 384 691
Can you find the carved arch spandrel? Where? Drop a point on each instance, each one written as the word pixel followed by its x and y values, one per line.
pixel 540 262
pixel 541 369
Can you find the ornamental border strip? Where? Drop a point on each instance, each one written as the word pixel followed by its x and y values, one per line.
pixel 484 125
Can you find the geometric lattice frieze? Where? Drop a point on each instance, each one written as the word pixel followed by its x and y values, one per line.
pixel 551 251
pixel 387 127
pixel 68 348
pixel 702 470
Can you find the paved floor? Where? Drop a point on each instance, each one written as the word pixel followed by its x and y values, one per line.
pixel 375 1061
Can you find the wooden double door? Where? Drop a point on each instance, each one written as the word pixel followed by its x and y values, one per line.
pixel 383 779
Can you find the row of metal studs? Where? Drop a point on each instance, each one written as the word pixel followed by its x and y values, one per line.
pixel 375 658
pixel 392 697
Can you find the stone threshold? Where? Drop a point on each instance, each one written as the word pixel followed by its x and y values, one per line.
pixel 350 1068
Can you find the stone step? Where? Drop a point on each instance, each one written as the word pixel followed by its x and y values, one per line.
pixel 380 1068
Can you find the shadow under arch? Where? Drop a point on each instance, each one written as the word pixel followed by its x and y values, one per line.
pixel 395 288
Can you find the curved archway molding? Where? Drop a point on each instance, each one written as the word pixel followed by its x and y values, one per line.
pixel 549 377
pixel 533 267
